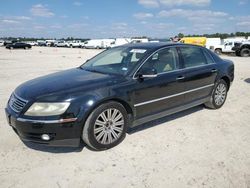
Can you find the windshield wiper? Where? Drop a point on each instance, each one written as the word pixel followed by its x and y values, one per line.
pixel 91 70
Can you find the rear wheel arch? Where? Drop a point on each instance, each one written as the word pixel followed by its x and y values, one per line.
pixel 227 80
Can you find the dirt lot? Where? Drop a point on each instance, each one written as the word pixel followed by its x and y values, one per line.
pixel 194 148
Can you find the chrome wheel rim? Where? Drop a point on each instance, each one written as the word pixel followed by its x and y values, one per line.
pixel 220 94
pixel 109 126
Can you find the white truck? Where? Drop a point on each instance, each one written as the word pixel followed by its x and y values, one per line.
pixel 106 43
pixel 93 44
pixel 212 42
pixel 98 43
pixel 61 43
pixel 227 45
pixel 120 41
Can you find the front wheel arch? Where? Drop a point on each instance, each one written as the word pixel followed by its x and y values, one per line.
pixel 126 105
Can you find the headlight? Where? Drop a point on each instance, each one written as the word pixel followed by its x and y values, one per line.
pixel 47 109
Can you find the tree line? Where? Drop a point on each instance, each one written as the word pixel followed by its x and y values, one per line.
pixel 180 35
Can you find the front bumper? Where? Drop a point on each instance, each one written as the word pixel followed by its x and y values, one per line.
pixel 61 133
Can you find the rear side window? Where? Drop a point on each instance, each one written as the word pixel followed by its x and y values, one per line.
pixel 193 57
pixel 208 57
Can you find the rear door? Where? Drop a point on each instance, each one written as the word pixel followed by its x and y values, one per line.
pixel 199 72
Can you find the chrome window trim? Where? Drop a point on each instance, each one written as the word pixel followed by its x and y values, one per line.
pixel 171 96
pixel 182 69
pixel 202 52
pixel 209 54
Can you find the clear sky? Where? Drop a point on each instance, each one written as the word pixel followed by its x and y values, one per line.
pixel 121 18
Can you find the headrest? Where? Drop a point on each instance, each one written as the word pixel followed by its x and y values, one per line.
pixel 139 55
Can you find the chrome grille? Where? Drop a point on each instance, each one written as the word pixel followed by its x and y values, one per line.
pixel 16 103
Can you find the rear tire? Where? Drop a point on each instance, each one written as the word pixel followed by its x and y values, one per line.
pixel 218 96
pixel 245 52
pixel 106 126
pixel 218 51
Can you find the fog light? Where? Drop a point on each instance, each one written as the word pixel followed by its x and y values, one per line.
pixel 45 137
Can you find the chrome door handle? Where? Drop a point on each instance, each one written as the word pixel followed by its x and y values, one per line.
pixel 214 70
pixel 180 78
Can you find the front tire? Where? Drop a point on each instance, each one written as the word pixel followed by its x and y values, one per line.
pixel 106 126
pixel 218 96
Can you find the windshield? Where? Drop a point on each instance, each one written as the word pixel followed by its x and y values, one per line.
pixel 118 60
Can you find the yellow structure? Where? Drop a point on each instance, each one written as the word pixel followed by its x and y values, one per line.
pixel 200 41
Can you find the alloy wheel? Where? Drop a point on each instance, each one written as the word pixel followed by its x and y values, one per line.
pixel 220 94
pixel 109 126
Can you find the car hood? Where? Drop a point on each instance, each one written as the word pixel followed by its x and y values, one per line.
pixel 64 83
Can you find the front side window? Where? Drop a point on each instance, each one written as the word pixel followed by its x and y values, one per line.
pixel 120 60
pixel 193 57
pixel 164 60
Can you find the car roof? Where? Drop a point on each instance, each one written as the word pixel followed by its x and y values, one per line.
pixel 155 45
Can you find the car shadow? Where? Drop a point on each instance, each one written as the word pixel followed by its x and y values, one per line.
pixel 165 119
pixel 247 80
pixel 51 149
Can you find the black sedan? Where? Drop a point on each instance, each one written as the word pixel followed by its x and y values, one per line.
pixel 18 45
pixel 118 89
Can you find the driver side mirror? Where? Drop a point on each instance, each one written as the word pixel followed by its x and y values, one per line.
pixel 147 73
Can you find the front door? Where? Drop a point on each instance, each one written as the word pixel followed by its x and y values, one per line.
pixel 154 95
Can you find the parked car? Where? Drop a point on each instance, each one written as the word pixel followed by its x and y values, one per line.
pixel 75 43
pixel 1 43
pixel 18 45
pixel 41 43
pixel 242 49
pixel 32 43
pixel 61 44
pixel 139 40
pixel 118 89
pixel 8 42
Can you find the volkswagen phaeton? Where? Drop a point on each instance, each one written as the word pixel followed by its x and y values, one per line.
pixel 119 88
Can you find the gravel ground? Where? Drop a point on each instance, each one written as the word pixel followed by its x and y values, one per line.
pixel 195 148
